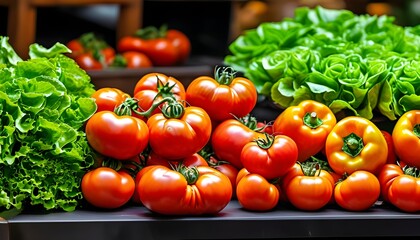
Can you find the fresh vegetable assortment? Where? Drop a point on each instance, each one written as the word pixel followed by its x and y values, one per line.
pixel 179 150
pixel 343 164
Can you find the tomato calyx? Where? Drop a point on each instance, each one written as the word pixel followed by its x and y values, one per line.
pixel 94 44
pixel 310 168
pixel 411 171
pixel 416 130
pixel 131 105
pixel 353 144
pixel 251 122
pixel 164 90
pixel 119 61
pixel 210 158
pixel 312 120
pixel 191 174
pixel 265 143
pixel 224 75
pixel 173 109
pixel 112 163
pixel 152 32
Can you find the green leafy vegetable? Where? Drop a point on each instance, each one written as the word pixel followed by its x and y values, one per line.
pixel 44 103
pixel 361 64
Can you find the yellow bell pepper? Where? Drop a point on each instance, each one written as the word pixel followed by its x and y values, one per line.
pixel 308 124
pixel 356 143
pixel 406 138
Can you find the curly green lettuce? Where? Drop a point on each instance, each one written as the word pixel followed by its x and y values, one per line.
pixel 361 64
pixel 44 102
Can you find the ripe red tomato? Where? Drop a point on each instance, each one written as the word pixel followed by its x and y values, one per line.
pixel 358 192
pixel 86 61
pixel 108 54
pixel 169 192
pixel 189 161
pixel 255 193
pixel 237 95
pixel 226 168
pixel 271 156
pixel 136 60
pixel 229 137
pixel 386 176
pixel 131 43
pixel 181 42
pixel 309 191
pixel 119 137
pixel 400 187
pixel 392 156
pixel 404 193
pixel 153 87
pixel 104 187
pixel 164 47
pixel 76 48
pixel 181 135
pixel 108 98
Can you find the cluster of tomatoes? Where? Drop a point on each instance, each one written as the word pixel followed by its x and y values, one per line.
pixel 148 47
pixel 190 151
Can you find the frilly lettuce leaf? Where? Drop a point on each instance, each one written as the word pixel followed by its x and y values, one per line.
pixel 44 103
pixel 361 64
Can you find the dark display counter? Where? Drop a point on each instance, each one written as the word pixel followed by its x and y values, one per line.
pixel 136 222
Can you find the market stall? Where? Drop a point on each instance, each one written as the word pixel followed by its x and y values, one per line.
pixel 309 127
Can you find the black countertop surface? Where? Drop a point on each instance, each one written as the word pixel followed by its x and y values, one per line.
pixel 233 222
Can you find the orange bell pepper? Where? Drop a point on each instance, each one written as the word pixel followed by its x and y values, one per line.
pixel 308 124
pixel 406 138
pixel 356 143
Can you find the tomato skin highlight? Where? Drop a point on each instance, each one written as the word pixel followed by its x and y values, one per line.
pixel 106 188
pixel 358 192
pixel 119 137
pixel 167 192
pixel 108 98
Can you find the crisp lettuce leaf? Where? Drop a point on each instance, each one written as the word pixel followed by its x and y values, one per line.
pixel 44 103
pixel 343 60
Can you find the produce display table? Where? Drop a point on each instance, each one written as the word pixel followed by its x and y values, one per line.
pixel 136 222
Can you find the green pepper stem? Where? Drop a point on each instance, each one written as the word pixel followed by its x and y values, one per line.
pixel 352 145
pixel 311 120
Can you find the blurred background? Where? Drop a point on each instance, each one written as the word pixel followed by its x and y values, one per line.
pixel 210 25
